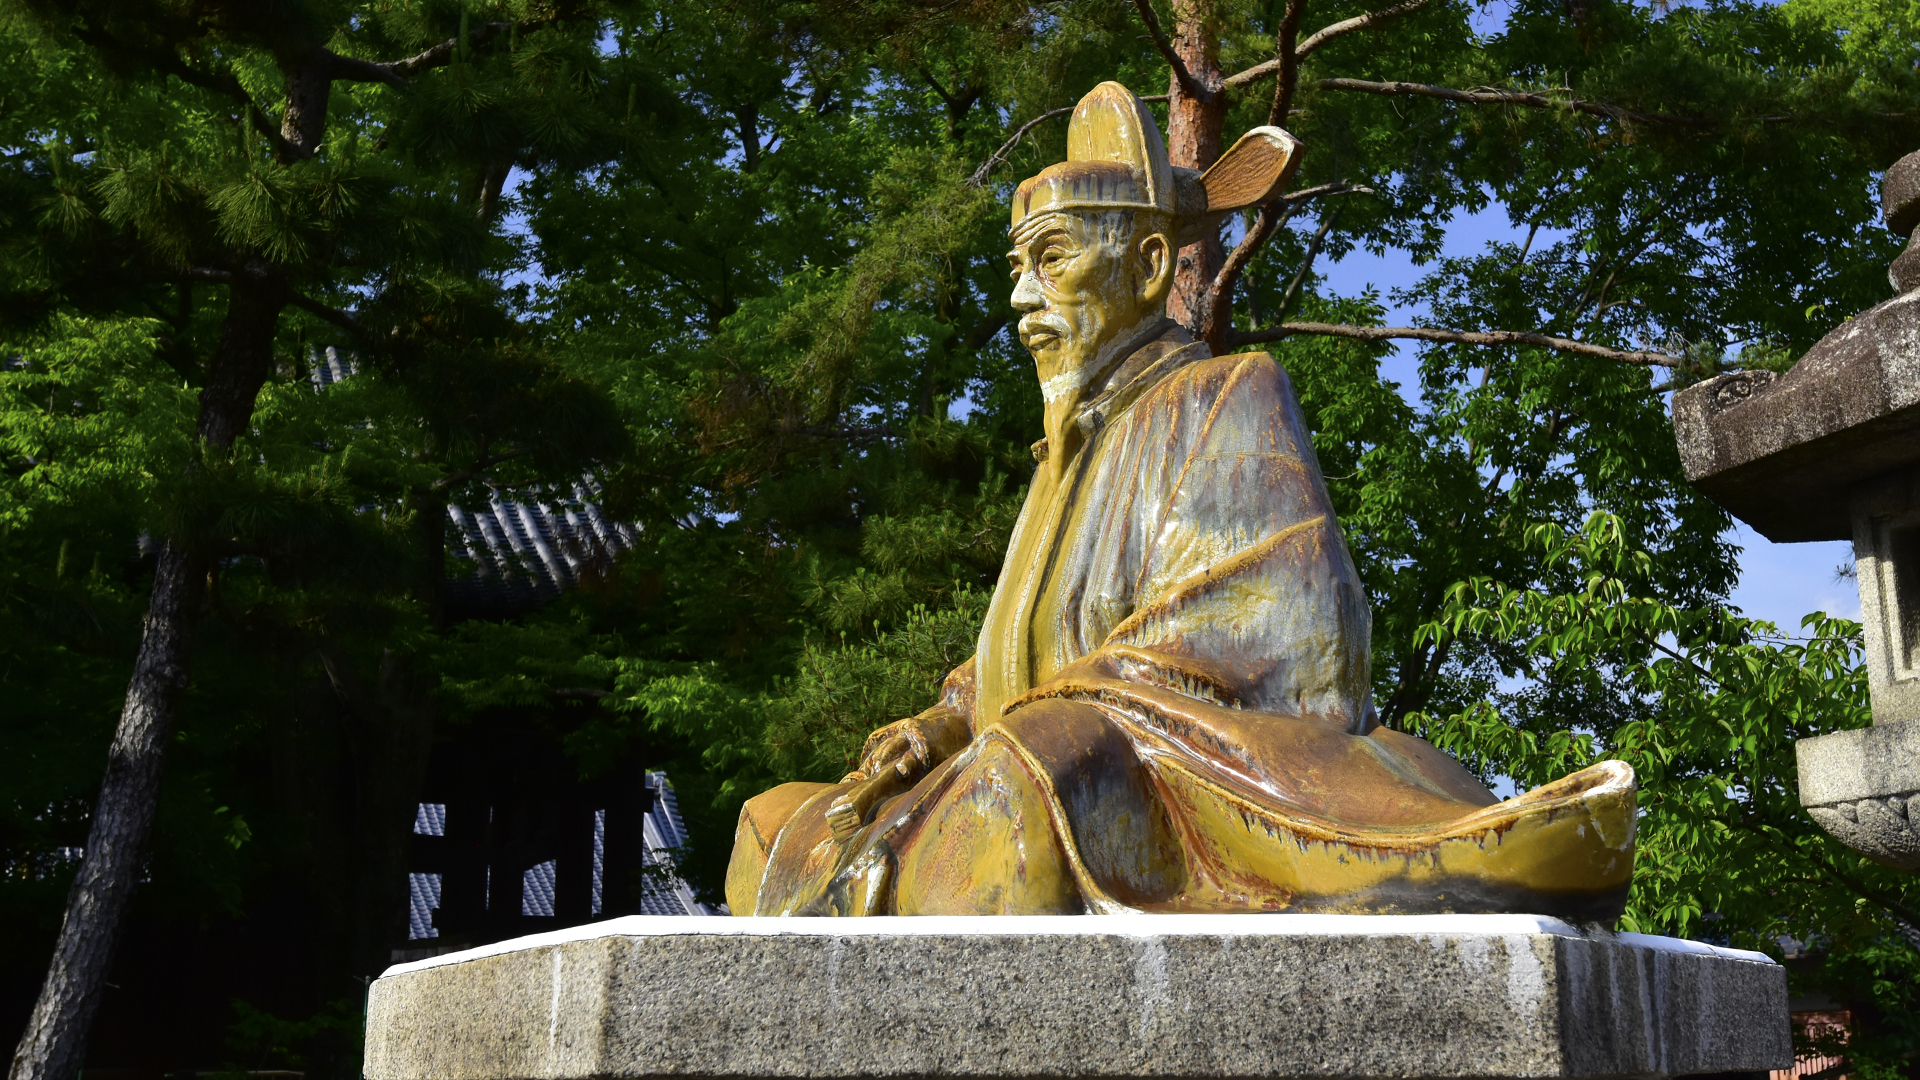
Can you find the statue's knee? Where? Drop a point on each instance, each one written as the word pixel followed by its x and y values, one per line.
pixel 987 847
pixel 761 819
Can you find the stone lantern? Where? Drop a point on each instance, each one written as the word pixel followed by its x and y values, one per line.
pixel 1831 451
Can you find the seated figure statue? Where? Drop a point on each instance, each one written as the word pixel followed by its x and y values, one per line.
pixel 1169 707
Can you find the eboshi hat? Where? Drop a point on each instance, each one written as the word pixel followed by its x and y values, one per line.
pixel 1116 160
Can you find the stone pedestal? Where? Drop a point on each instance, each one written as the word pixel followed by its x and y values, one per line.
pixel 1238 996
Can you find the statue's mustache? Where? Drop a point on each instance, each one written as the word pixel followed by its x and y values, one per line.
pixel 1035 322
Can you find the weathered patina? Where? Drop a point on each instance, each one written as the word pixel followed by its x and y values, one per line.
pixel 1169 707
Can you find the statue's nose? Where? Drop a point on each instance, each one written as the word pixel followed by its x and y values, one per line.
pixel 1026 294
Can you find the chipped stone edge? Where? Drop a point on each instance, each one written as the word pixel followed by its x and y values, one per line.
pixel 1138 925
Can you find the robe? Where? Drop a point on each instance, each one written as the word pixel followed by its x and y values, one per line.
pixel 1169 708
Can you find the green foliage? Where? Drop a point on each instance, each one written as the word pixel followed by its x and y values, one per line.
pixel 843 693
pixel 259 1040
pixel 1705 704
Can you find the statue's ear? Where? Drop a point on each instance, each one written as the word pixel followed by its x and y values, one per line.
pixel 1156 253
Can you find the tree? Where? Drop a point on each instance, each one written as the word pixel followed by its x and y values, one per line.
pixel 367 206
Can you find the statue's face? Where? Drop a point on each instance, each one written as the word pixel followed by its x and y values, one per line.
pixel 1084 283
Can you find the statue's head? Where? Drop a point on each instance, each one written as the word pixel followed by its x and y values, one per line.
pixel 1095 237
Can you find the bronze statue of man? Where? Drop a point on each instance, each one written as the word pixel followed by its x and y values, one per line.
pixel 1169 708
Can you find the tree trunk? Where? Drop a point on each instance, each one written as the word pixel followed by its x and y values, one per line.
pixel 309 83
pixel 54 1045
pixel 55 1040
pixel 1193 142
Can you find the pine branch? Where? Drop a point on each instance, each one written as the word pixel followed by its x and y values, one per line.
pixel 1218 318
pixel 354 69
pixel 1306 265
pixel 1457 337
pixel 1193 87
pixel 1219 314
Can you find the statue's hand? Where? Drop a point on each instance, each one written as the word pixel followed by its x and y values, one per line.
pixel 894 759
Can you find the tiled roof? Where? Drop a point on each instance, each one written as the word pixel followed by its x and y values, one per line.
pixel 524 554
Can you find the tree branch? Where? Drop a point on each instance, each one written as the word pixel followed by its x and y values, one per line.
pixel 1314 192
pixel 1193 87
pixel 1359 22
pixel 1320 37
pixel 1217 322
pixel 1287 55
pixel 168 62
pixel 980 174
pixel 1219 313
pixel 475 469
pixel 442 54
pixel 1457 337
pixel 1494 96
pixel 353 69
pixel 1306 265
pixel 333 315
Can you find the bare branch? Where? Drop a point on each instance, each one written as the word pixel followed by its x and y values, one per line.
pixel 1359 22
pixel 1306 265
pixel 1252 75
pixel 1320 37
pixel 980 174
pixel 207 273
pixel 1316 191
pixel 1493 96
pixel 1193 87
pixel 1217 321
pixel 1457 337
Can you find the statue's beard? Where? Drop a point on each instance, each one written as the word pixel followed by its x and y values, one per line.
pixel 1062 362
pixel 1070 364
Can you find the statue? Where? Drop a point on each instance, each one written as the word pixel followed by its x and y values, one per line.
pixel 1169 707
